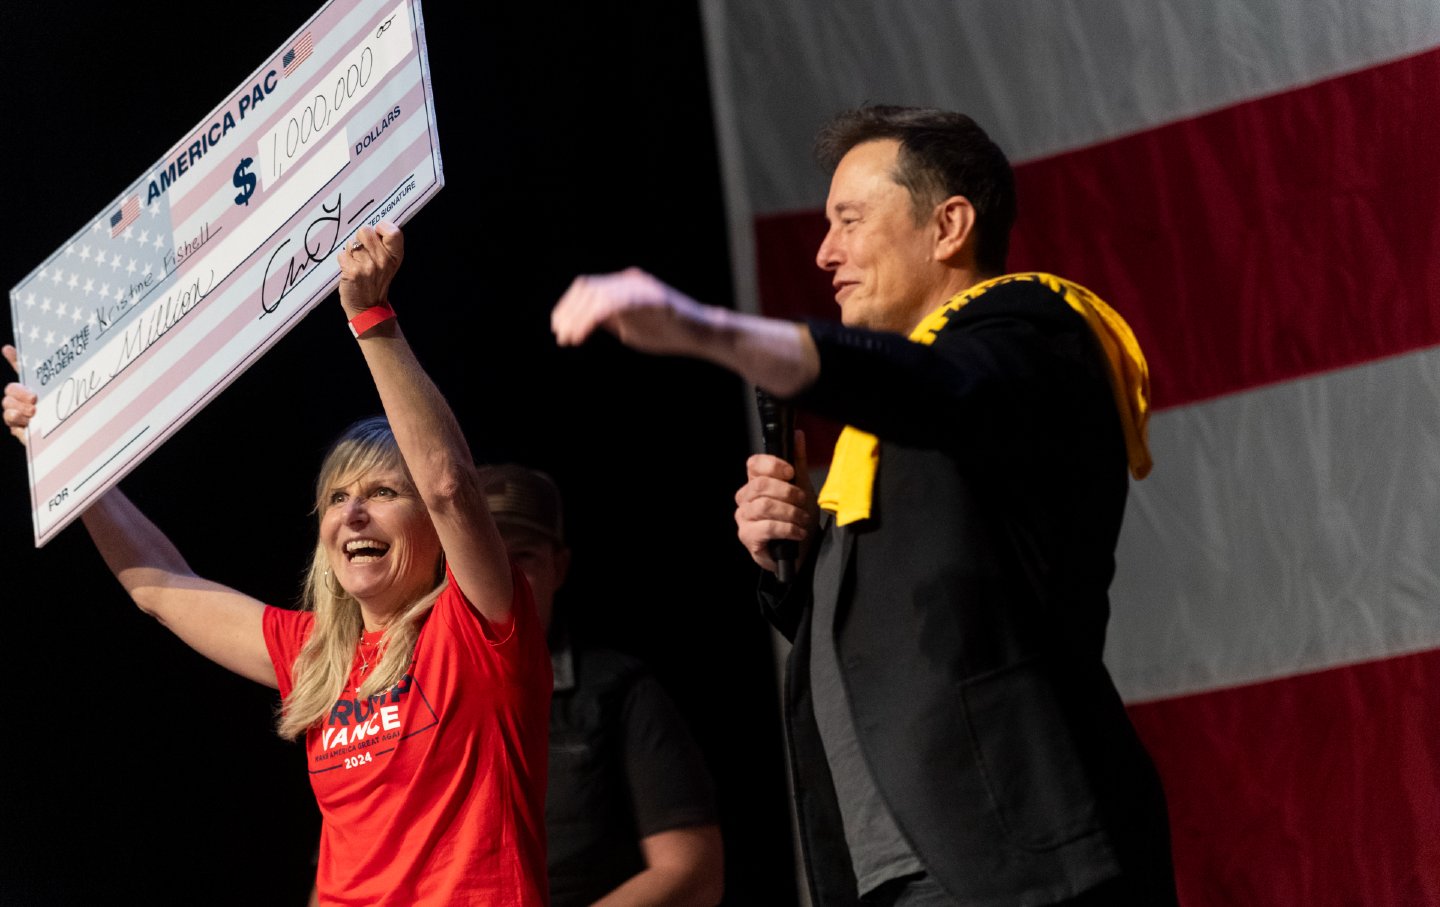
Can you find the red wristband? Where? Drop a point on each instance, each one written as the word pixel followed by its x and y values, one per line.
pixel 371 317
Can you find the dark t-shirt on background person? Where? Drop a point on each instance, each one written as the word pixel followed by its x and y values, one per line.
pixel 623 766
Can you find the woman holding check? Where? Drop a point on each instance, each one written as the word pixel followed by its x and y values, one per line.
pixel 417 672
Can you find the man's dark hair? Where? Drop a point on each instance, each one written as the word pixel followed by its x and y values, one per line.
pixel 941 154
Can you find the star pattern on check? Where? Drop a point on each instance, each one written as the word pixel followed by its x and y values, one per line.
pixel 93 278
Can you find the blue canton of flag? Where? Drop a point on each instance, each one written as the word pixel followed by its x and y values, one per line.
pixel 87 286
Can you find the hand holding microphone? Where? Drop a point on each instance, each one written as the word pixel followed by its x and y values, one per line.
pixel 775 508
pixel 777 428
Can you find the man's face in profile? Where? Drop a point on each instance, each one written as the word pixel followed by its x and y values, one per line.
pixel 885 275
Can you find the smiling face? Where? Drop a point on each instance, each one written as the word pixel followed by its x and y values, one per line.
pixel 886 273
pixel 378 538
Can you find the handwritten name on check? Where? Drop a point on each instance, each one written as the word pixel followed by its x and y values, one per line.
pixel 212 255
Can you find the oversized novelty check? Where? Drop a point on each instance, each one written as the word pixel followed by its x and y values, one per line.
pixel 147 313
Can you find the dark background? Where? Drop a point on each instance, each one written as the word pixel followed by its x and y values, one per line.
pixel 576 138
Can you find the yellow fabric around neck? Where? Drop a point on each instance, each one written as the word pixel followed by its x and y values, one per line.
pixel 849 488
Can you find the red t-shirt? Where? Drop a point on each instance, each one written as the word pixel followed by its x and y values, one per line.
pixel 434 792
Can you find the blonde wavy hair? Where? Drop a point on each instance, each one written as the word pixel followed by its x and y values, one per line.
pixel 322 669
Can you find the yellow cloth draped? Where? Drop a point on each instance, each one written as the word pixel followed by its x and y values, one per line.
pixel 850 485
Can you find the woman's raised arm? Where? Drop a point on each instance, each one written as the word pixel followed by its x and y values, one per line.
pixel 425 429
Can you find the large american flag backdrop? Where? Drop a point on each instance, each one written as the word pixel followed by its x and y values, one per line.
pixel 1253 184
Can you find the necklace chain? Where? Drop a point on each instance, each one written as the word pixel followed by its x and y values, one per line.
pixel 374 652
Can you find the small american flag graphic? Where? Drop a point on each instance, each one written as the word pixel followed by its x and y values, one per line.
pixel 298 53
pixel 124 216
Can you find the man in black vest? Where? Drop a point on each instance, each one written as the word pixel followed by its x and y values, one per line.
pixel 955 738
pixel 630 810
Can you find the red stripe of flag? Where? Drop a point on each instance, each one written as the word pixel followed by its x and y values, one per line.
pixel 1321 789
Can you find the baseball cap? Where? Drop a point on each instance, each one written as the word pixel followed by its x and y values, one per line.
pixel 525 498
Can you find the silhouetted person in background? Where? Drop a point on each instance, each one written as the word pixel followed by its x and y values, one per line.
pixel 631 810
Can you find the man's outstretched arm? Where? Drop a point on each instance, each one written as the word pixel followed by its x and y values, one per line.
pixel 652 317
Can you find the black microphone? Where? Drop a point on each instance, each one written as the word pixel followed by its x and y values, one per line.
pixel 777 428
